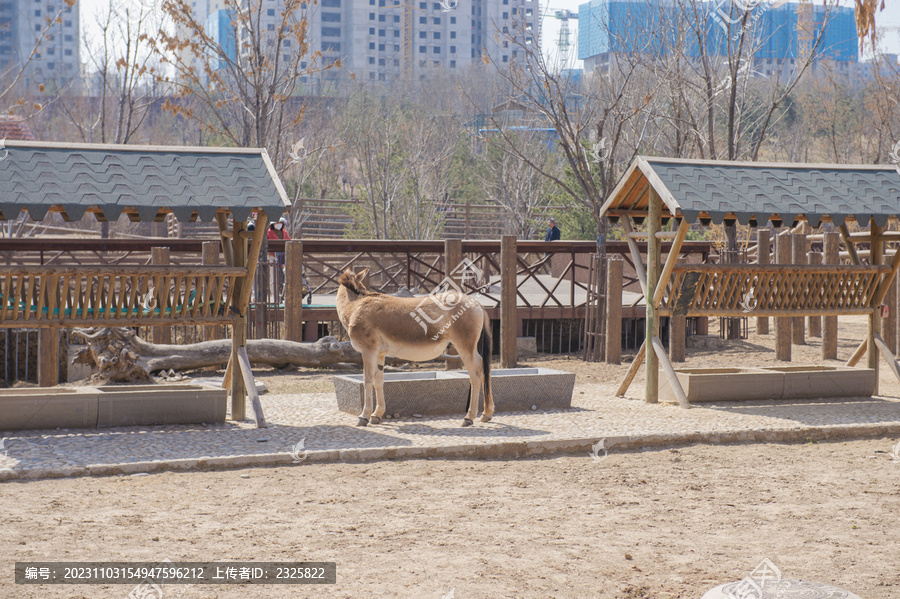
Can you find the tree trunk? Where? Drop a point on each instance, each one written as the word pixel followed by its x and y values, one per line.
pixel 120 355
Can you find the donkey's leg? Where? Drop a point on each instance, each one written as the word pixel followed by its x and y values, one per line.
pixel 370 367
pixel 476 380
pixel 379 392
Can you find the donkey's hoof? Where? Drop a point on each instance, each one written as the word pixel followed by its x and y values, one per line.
pixel 375 420
pixel 467 422
pixel 485 418
pixel 362 422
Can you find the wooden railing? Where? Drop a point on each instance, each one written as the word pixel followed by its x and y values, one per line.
pixel 773 290
pixel 73 296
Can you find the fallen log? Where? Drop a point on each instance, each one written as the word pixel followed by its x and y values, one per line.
pixel 118 354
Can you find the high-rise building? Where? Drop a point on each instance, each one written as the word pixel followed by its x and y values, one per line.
pixel 395 40
pixel 782 35
pixel 41 39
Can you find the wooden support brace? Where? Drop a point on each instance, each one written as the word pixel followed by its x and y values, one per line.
pixel 635 254
pixel 632 370
pixel 848 242
pixel 674 383
pixel 250 384
pixel 858 354
pixel 888 355
pixel 226 381
pixel 671 259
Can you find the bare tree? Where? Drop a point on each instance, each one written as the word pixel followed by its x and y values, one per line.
pixel 241 86
pixel 522 192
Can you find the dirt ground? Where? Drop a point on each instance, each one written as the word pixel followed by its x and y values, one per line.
pixel 660 524
pixel 657 525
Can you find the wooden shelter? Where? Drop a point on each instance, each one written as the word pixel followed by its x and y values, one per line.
pixel 688 191
pixel 145 183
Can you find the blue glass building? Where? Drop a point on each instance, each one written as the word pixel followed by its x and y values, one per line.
pixel 652 26
pixel 218 26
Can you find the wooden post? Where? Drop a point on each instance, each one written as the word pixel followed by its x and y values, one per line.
pixel 851 249
pixel 238 327
pixel 763 252
pixel 654 224
pixel 262 288
pixel 452 260
pixel 293 290
pixel 889 326
pixel 508 284
pixel 614 275
pixel 211 258
pixel 815 322
pixel 876 247
pixel 783 324
pixel 163 335
pixel 48 356
pixel 798 327
pixel 830 323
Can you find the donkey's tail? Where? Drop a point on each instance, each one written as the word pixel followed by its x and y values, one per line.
pixel 486 349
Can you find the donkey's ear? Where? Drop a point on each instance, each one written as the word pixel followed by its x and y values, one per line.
pixel 362 275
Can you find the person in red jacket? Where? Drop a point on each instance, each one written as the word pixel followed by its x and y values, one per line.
pixel 278 230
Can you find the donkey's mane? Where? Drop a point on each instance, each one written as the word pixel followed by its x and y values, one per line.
pixel 346 279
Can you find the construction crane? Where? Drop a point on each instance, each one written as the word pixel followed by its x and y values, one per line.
pixel 563 43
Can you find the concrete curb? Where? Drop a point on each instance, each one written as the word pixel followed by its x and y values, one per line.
pixel 500 450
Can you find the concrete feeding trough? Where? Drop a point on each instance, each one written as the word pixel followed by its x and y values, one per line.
pixel 809 382
pixel 436 392
pixel 142 405
pixel 36 408
pixel 771 382
pixel 724 384
pixel 123 405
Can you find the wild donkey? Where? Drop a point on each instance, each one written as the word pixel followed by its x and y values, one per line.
pixel 417 329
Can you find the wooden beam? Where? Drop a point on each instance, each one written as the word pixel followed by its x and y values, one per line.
pixel 830 323
pixel 211 258
pixel 293 290
pixel 671 260
pixel 252 259
pixel 671 376
pixel 47 357
pixel 614 270
pixel 798 326
pixel 848 242
pixel 783 324
pixel 225 237
pixel 635 254
pixel 858 354
pixel 632 370
pixel 763 257
pixel 250 384
pixel 876 249
pixel 508 312
pixel 651 324
pixel 159 256
pixel 238 326
pixel 888 356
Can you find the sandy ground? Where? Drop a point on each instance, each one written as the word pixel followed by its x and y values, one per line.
pixel 655 525
pixel 662 524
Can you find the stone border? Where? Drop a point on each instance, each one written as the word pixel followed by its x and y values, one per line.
pixel 509 449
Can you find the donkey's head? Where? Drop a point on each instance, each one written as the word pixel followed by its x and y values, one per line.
pixel 355 282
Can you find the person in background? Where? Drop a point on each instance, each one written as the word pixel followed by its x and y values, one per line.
pixel 552 231
pixel 278 230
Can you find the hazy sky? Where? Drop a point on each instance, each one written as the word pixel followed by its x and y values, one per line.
pixel 889 18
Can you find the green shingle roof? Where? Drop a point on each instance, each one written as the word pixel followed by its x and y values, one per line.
pixel 146 182
pixel 760 191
